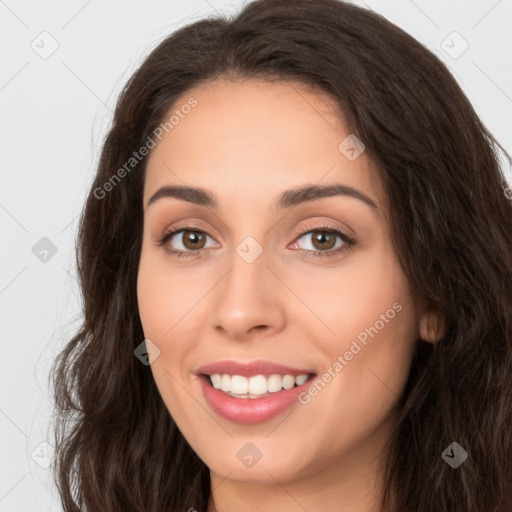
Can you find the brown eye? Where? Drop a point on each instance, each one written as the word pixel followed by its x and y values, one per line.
pixel 193 239
pixel 323 240
pixel 184 242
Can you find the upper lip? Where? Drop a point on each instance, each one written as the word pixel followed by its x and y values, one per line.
pixel 251 368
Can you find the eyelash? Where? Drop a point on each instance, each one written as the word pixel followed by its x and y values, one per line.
pixel 348 241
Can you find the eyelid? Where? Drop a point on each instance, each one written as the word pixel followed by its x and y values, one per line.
pixel 187 225
pixel 317 224
pixel 324 224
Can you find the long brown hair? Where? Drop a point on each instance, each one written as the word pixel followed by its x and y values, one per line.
pixel 118 449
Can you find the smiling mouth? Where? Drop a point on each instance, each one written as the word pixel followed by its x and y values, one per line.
pixel 256 386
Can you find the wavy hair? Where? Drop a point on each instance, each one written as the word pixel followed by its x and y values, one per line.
pixel 118 448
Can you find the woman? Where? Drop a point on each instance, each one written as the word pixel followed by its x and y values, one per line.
pixel 295 263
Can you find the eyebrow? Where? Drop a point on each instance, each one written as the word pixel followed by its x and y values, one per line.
pixel 286 199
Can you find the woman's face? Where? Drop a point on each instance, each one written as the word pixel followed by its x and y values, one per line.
pixel 262 276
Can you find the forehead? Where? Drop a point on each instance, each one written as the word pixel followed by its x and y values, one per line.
pixel 256 136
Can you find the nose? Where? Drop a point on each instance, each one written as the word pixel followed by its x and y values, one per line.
pixel 249 301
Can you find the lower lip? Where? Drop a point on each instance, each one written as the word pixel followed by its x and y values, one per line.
pixel 250 410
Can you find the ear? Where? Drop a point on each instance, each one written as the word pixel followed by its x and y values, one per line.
pixel 432 326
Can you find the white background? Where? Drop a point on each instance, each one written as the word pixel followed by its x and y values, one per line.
pixel 54 115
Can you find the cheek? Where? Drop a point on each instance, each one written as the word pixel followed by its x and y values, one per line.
pixel 153 309
pixel 373 317
pixel 353 299
pixel 162 309
pixel 170 305
pixel 162 295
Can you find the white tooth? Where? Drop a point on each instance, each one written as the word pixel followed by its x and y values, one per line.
pixel 288 381
pixel 257 385
pixel 225 383
pixel 216 380
pixel 300 379
pixel 239 384
pixel 274 383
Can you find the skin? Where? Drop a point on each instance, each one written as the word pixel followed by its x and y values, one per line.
pixel 246 142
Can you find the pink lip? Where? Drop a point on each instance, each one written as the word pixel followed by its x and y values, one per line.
pixel 250 410
pixel 258 367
